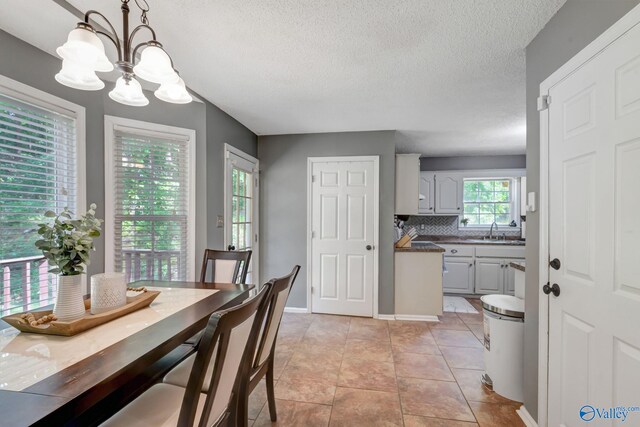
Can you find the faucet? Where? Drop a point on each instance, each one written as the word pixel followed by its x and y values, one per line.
pixel 491 230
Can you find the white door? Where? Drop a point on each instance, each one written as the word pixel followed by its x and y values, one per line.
pixel 448 193
pixel 343 227
pixel 594 232
pixel 459 276
pixel 241 206
pixel 426 198
pixel 489 275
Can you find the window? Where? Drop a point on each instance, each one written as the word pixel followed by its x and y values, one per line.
pixel 149 197
pixel 41 140
pixel 488 200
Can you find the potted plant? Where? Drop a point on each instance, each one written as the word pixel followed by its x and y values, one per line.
pixel 66 244
pixel 464 221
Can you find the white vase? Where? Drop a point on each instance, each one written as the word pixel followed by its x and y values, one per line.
pixel 108 291
pixel 70 302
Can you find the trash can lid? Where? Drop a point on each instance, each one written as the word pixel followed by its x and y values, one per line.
pixel 506 305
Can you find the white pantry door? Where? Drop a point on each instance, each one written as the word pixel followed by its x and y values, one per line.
pixel 594 232
pixel 343 224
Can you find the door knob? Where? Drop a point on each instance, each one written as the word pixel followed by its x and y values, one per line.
pixel 369 247
pixel 553 289
pixel 555 264
pixel 231 248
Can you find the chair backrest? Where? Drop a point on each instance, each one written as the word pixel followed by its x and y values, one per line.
pixel 226 266
pixel 229 340
pixel 275 308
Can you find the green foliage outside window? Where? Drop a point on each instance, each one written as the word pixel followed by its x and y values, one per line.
pixel 487 201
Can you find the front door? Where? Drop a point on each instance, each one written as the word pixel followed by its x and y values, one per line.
pixel 594 232
pixel 343 226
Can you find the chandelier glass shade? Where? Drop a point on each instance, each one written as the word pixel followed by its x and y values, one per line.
pixel 83 55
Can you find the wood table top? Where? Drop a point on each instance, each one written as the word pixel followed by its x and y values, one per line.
pixel 83 384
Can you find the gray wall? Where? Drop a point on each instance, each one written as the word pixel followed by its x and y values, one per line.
pixel 283 199
pixel 575 25
pixel 31 66
pixel 472 162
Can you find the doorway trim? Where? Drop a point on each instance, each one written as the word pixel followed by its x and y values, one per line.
pixel 255 256
pixel 376 219
pixel 617 30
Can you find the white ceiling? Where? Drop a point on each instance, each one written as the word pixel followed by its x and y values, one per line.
pixel 448 75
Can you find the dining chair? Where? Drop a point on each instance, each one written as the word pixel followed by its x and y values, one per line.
pixel 226 266
pixel 264 356
pixel 261 364
pixel 219 366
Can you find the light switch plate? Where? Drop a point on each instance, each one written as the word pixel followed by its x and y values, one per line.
pixel 220 221
pixel 531 201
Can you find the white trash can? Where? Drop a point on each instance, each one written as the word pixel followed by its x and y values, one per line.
pixel 504 345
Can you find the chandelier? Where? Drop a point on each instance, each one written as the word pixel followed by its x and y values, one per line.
pixel 83 55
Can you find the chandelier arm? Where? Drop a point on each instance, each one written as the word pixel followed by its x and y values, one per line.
pixel 141 27
pixel 113 37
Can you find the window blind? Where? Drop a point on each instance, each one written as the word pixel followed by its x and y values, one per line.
pixel 37 173
pixel 151 200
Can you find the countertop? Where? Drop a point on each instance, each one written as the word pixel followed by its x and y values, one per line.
pixel 517 265
pixel 422 247
pixel 472 240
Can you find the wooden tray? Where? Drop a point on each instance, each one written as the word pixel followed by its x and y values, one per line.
pixel 89 320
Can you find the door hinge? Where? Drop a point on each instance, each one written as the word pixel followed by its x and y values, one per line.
pixel 312 290
pixel 313 178
pixel 543 102
pixel 313 234
pixel 256 238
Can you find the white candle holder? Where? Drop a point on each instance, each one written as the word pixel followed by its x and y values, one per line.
pixel 108 292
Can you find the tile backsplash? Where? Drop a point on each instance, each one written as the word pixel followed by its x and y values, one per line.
pixel 448 226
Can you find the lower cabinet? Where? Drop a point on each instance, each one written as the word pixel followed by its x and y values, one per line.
pixel 494 276
pixel 459 277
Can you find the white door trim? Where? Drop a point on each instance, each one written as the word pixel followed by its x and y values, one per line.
pixel 255 256
pixel 616 31
pixel 376 218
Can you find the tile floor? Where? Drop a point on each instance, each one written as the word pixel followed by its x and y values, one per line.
pixel 350 371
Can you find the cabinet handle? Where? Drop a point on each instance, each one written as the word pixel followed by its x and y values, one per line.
pixel 458 208
pixel 470 265
pixel 454 251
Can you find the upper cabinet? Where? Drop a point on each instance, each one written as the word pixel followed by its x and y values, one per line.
pixel 407 183
pixel 448 193
pixel 426 202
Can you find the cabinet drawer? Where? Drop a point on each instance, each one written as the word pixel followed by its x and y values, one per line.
pixel 500 251
pixel 458 250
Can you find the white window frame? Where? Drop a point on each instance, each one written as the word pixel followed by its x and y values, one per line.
pixel 255 255
pixel 113 124
pixel 514 202
pixel 31 95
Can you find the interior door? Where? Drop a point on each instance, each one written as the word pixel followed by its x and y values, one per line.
pixel 594 173
pixel 342 242
pixel 448 193
pixel 241 208
pixel 426 198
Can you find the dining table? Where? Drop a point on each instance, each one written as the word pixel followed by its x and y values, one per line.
pixel 48 380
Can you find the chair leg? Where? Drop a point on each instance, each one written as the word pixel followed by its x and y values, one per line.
pixel 271 398
pixel 242 409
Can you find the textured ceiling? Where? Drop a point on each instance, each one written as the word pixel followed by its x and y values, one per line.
pixel 448 75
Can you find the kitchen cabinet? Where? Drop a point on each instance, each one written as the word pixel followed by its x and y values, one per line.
pixel 448 193
pixel 459 278
pixel 418 285
pixel 493 276
pixel 407 183
pixel 427 194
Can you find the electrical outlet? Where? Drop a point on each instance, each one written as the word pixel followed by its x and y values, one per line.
pixel 220 221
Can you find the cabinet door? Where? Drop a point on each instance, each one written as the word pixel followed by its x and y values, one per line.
pixel 509 278
pixel 459 276
pixel 425 204
pixel 489 276
pixel 448 194
pixel 407 181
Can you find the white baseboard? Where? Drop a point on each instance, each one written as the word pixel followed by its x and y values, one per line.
pixel 386 317
pixel 419 318
pixel 296 310
pixel 526 417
